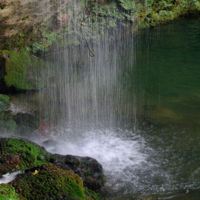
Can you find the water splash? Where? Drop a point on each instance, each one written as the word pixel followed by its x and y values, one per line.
pixel 113 149
pixel 7 178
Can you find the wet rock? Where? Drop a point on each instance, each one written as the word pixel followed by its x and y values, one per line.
pixel 22 71
pixel 50 182
pixel 7 124
pixel 20 154
pixel 26 123
pixel 162 115
pixel 87 168
pixel 50 143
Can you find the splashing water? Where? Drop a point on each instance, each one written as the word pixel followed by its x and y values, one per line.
pixel 7 178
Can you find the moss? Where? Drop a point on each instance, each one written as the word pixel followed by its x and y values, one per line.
pixel 7 124
pixel 8 192
pixel 4 102
pixel 93 194
pixel 24 71
pixel 30 154
pixel 50 182
pixel 25 17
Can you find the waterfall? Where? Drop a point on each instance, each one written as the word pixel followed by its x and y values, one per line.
pixel 129 101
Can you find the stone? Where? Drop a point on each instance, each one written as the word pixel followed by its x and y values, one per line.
pixel 26 124
pixel 20 154
pixel 50 182
pixel 22 71
pixel 86 167
pixel 7 124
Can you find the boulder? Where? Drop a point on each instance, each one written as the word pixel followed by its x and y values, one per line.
pixel 20 154
pixel 7 124
pixel 21 71
pixel 26 124
pixel 49 182
pixel 87 168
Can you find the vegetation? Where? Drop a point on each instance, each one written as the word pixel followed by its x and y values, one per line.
pixel 20 154
pixel 61 184
pixel 23 71
pixel 25 17
pixel 8 192
pixel 30 154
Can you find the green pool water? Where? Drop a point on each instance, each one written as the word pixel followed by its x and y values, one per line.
pixel 164 82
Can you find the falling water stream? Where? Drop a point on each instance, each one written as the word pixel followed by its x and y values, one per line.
pixel 135 107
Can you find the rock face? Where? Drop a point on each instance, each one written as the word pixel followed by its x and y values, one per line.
pixel 26 16
pixel 26 123
pixel 7 124
pixel 87 168
pixel 36 23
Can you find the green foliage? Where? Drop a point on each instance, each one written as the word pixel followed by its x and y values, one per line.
pixel 47 43
pixel 25 17
pixel 8 192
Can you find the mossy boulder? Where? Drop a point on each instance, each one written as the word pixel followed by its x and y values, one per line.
pixel 89 169
pixel 7 124
pixel 20 154
pixel 49 182
pixel 4 102
pixel 26 123
pixel 8 192
pixel 22 71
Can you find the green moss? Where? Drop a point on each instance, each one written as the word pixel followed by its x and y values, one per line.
pixel 25 17
pixel 51 182
pixel 30 153
pixel 8 192
pixel 93 194
pixel 24 71
pixel 4 102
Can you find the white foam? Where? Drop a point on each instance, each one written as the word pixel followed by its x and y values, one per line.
pixel 7 178
pixel 113 149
